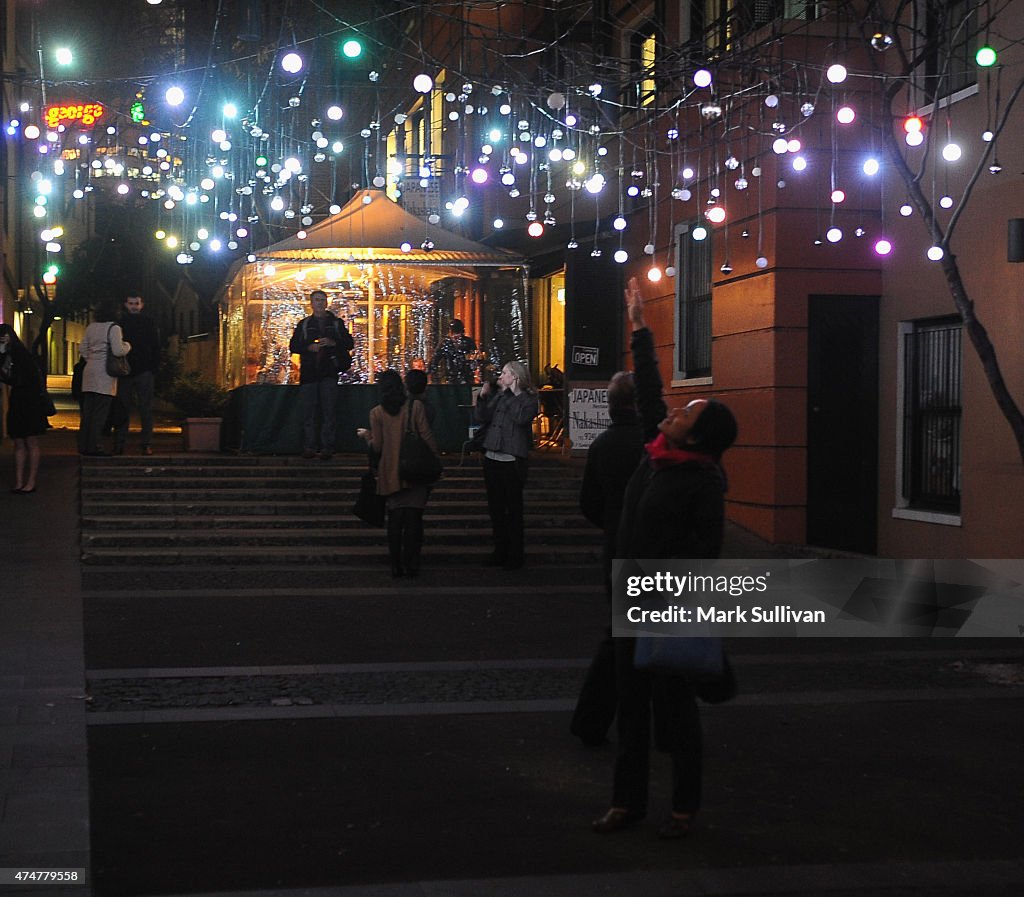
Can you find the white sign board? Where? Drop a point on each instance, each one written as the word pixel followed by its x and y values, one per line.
pixel 588 414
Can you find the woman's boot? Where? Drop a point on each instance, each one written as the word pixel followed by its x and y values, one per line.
pixel 395 541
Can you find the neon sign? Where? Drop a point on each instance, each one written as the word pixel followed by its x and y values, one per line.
pixel 81 113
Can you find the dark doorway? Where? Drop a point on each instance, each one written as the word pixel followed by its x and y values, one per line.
pixel 842 422
pixel 594 311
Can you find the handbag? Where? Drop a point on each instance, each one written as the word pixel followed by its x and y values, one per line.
pixel 116 366
pixel 701 659
pixel 77 375
pixel 369 506
pixel 417 462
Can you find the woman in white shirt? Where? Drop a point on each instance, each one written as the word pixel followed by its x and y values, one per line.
pixel 103 336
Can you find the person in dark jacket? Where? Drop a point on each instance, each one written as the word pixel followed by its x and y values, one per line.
pixel 508 413
pixel 26 408
pixel 144 359
pixel 451 360
pixel 674 507
pixel 324 347
pixel 636 407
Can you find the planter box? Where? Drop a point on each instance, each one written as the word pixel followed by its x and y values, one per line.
pixel 202 434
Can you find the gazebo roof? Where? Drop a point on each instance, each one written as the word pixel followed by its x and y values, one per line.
pixel 372 228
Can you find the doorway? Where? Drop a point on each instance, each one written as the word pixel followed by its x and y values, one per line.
pixel 842 422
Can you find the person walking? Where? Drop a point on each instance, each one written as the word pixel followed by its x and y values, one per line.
pixel 674 507
pixel 636 407
pixel 144 359
pixel 26 407
pixel 405 501
pixel 102 337
pixel 452 355
pixel 508 412
pixel 324 346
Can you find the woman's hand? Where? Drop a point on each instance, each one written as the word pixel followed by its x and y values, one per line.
pixel 634 304
pixel 363 433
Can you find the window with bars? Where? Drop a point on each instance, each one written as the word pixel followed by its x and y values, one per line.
pixel 932 380
pixel 952 40
pixel 693 302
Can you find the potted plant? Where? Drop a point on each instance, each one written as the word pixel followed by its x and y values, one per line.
pixel 202 403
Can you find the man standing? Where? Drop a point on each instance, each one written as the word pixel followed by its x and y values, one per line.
pixel 144 359
pixel 324 347
pixel 452 355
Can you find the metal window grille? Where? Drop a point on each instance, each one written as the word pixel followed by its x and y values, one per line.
pixel 932 414
pixel 694 301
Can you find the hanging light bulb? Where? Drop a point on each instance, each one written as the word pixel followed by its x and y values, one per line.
pixel 726 267
pixel 883 246
pixel 621 256
pixel 834 234
pixel 952 152
pixel 871 167
pixel 845 115
pixel 935 253
pixel 946 202
pixel 702 78
pixel 619 223
pixel 836 73
pixel 423 83
pixel 906 210
pixel 654 274
pixel 761 262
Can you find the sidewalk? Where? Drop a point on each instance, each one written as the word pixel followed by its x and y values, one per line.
pixel 846 770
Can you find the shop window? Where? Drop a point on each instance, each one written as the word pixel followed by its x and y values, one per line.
pixel 693 301
pixel 931 398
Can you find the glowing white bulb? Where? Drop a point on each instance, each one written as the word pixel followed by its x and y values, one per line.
pixel 952 152
pixel 935 253
pixel 838 196
pixel 291 63
pixel 870 167
pixel 836 73
pixel 780 146
pixel 423 83
pixel 335 113
pixel 595 183
pixel 906 210
pixel 499 223
pixel 799 163
pixel 175 96
pixel 914 138
pixel 834 235
pixel 621 256
pixel 654 274
pixel 277 203
pixel 619 223
pixel 699 233
pixel 845 115
pixel 702 78
pixel 883 247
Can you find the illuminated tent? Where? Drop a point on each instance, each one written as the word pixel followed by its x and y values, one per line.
pixel 387 273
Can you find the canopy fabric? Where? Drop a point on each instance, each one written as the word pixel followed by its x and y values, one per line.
pixel 371 227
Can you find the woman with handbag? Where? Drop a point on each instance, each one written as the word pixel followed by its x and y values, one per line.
pixel 27 403
pixel 391 422
pixel 508 414
pixel 673 507
pixel 102 347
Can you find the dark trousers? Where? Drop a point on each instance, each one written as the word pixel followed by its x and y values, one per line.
pixel 405 539
pixel 320 397
pixel 504 482
pixel 595 707
pixel 677 731
pixel 95 410
pixel 141 387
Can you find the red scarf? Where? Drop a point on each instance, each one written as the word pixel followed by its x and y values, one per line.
pixel 663 454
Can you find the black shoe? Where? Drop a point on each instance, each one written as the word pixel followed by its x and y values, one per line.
pixel 326 456
pixel 513 564
pixel 397 570
pixel 675 828
pixel 615 820
pixel 308 455
pixel 494 560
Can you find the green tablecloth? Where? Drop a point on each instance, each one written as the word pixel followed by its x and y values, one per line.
pixel 264 419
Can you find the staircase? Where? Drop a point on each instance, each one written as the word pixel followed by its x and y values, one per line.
pixel 263 524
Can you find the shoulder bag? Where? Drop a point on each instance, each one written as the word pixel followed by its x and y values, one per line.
pixel 369 506
pixel 417 462
pixel 116 366
pixel 700 659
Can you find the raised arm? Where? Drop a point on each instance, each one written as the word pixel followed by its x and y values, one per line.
pixel 649 399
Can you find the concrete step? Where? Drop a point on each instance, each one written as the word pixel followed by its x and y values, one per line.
pixel 438 571
pixel 171 504
pixel 134 540
pixel 437 517
pixel 343 553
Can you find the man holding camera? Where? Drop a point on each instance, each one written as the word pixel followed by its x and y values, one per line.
pixel 324 347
